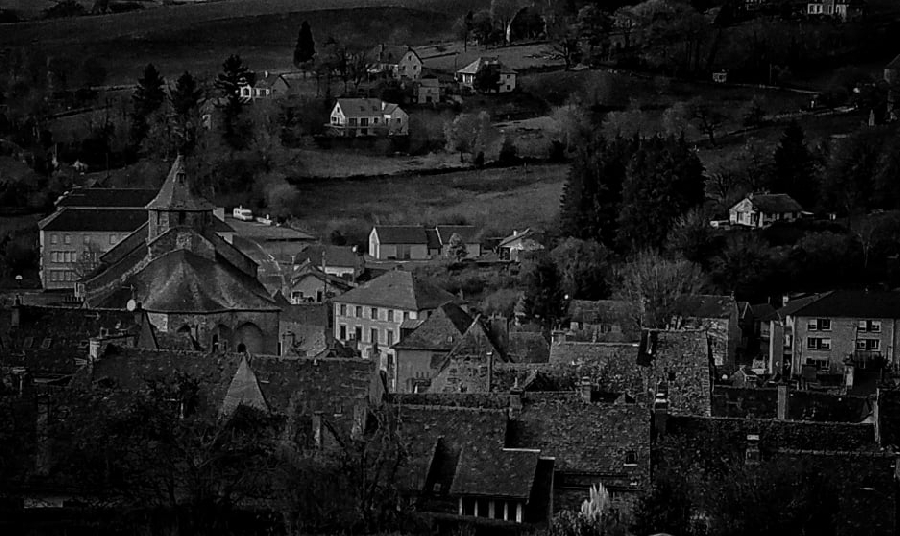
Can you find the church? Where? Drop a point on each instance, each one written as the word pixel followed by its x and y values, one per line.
pixel 189 279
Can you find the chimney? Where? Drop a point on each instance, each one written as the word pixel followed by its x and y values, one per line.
pixel 661 409
pixel 783 402
pixel 785 299
pixel 585 388
pixel 16 313
pixel 515 403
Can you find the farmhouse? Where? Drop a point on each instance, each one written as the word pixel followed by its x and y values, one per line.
pixel 368 117
pixel 762 210
pixel 415 242
pixel 269 86
pixel 501 77
pixel 845 10
pixel 512 247
pixel 428 90
pixel 399 62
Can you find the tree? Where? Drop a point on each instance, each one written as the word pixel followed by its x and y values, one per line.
pixel 584 267
pixel 655 285
pixel 64 9
pixel 229 82
pixel 482 27
pixel 147 98
pixel 705 116
pixel 543 299
pixel 469 133
pixel 503 12
pixel 487 79
pixel 793 172
pixel 508 151
pixel 566 41
pixel 463 27
pixel 185 100
pixel 457 248
pixel 664 180
pixel 305 49
pixel 693 238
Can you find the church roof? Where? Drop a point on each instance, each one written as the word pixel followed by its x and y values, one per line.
pixel 176 193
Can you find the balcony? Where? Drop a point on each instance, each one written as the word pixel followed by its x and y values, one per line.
pixel 866 358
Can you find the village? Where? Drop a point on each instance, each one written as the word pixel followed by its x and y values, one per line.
pixel 568 270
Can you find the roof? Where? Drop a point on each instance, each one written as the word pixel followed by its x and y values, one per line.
pixel 113 220
pixel 432 238
pixel 705 306
pixel 853 304
pixel 611 367
pixel 894 64
pixel 441 331
pixel 391 54
pixel 176 194
pixel 269 81
pixel 528 347
pixel 243 391
pixel 466 233
pixel 483 62
pixel 397 289
pixel 774 203
pixel 181 281
pixel 516 235
pixel 401 234
pixel 311 270
pixel 600 311
pixel 360 105
pixel 107 198
pixel 260 231
pixel 342 256
pixel 507 473
pixel 790 308
pixel 761 310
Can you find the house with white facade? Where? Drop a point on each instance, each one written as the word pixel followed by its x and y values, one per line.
pixel 362 117
pixel 762 210
pixel 269 86
pixel 506 77
pixel 398 62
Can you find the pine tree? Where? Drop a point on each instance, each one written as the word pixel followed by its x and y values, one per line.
pixel 185 99
pixel 234 75
pixel 305 50
pixel 148 97
pixel 793 169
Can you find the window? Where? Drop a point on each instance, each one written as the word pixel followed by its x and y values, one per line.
pixel 296 297
pixel 112 238
pixel 364 122
pixel 398 120
pixel 820 364
pixel 375 120
pixel 342 333
pixel 343 309
pixel 630 457
pixel 374 313
pixel 352 121
pixel 46 343
pixel 819 324
pixel 871 326
pixel 868 344
pixel 182 216
pixel 54 238
pixel 405 316
pixel 357 333
pixel 67 239
pixel 390 337
pixel 390 315
pixel 373 336
pixel 358 311
pixel 818 343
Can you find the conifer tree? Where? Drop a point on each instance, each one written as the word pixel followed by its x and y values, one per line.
pixel 793 169
pixel 305 50
pixel 233 77
pixel 148 97
pixel 185 99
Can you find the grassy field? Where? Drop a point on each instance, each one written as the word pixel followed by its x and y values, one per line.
pixel 496 200
pixel 342 164
pixel 451 56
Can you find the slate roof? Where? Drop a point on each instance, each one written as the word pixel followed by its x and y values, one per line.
pixel 269 81
pixel 761 310
pixel 107 198
pixel 611 367
pixel 176 194
pixel 466 233
pixel 441 331
pixel 483 62
pixel 791 308
pixel 397 289
pixel 243 391
pixel 508 473
pixel 112 220
pixel 310 270
pixel 706 306
pixel 516 236
pixel 181 281
pixel 369 106
pixel 853 304
pixel 341 256
pixel 775 203
pixel 391 54
pixel 528 347
pixel 401 234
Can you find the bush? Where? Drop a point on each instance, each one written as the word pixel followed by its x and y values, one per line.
pixel 508 153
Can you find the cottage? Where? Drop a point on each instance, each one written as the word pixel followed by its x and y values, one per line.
pixel 415 242
pixel 720 317
pixel 271 85
pixel 512 247
pixel 487 75
pixel 762 210
pixel 339 261
pixel 310 284
pixel 399 62
pixel 428 90
pixel 367 117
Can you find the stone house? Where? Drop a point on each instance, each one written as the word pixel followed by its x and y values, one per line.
pixel 339 261
pixel 762 210
pixel 187 277
pixel 719 315
pixel 371 315
pixel 506 77
pixel 311 284
pixel 363 117
pixel 682 362
pixel 602 320
pixel 428 90
pixel 469 366
pixel 398 62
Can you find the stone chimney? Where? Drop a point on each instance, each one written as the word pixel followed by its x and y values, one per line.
pixel 661 409
pixel 585 388
pixel 783 402
pixel 16 313
pixel 515 403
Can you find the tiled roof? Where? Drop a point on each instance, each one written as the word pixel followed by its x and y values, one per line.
pixel 107 198
pixel 441 331
pixel 391 54
pixel 269 81
pixel 791 308
pixel 401 234
pixel 243 391
pixel 432 238
pixel 113 220
pixel 466 233
pixel 341 256
pixel 360 106
pixel 705 306
pixel 507 473
pixel 528 347
pixel 853 304
pixel 176 194
pixel 775 203
pixel 181 281
pixel 311 270
pixel 611 367
pixel 588 438
pixel 483 62
pixel 761 310
pixel 397 289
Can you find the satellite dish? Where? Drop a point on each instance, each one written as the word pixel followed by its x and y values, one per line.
pixel 131 305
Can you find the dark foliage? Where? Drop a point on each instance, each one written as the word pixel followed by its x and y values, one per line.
pixel 305 49
pixel 234 75
pixel 148 97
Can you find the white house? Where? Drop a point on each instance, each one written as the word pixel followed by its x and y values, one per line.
pixel 397 61
pixel 512 247
pixel 468 74
pixel 762 210
pixel 269 86
pixel 368 117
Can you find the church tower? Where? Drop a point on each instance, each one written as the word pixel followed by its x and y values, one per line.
pixel 176 206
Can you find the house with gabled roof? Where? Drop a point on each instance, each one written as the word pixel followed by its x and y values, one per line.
pixel 310 284
pixel 506 77
pixel 268 86
pixel 417 242
pixel 339 261
pixel 436 336
pixel 469 366
pixel 188 278
pixel 363 117
pixel 513 246
pixel 719 315
pixel 370 316
pixel 762 210
pixel 400 62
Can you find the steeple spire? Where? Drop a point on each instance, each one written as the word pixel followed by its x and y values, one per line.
pixel 176 193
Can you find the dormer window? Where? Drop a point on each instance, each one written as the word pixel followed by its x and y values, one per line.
pixel 180 177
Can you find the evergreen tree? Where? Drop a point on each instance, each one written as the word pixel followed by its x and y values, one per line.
pixel 185 99
pixel 793 169
pixel 663 181
pixel 234 75
pixel 543 300
pixel 305 50
pixel 148 97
